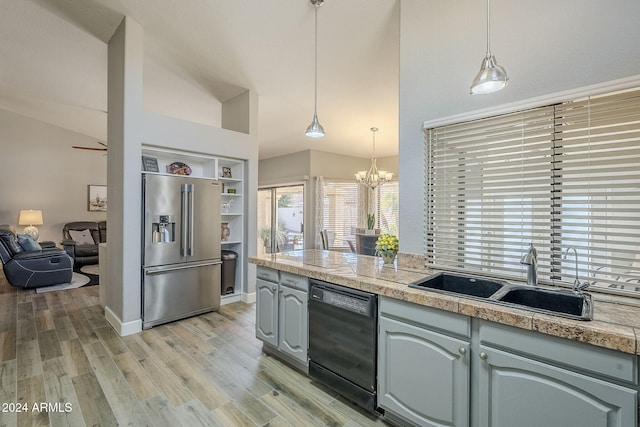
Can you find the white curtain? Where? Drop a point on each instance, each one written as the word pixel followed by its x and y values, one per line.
pixel 319 213
pixel 363 206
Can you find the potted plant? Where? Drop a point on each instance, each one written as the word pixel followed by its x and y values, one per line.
pixel 371 224
pixel 281 238
pixel 387 247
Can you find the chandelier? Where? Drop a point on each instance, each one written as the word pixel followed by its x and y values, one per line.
pixel 373 177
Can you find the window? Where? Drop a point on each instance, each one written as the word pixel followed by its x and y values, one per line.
pixel 343 202
pixel 566 175
pixel 387 207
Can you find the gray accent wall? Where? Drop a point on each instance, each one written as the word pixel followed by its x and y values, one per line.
pixel 546 47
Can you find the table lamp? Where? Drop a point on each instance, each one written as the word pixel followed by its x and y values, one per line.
pixel 30 218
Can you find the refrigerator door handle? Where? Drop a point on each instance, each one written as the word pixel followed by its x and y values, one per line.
pixel 157 270
pixel 192 194
pixel 184 232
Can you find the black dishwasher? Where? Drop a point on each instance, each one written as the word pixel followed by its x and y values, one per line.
pixel 343 341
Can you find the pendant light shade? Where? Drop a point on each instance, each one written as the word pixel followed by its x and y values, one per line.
pixel 315 129
pixel 491 77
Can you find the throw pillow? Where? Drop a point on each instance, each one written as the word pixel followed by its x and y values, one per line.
pixel 11 242
pixel 82 237
pixel 28 244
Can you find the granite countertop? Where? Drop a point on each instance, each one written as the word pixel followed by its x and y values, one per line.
pixel 615 324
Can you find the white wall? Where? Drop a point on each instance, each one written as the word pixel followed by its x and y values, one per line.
pixel 129 126
pixel 40 170
pixel 546 47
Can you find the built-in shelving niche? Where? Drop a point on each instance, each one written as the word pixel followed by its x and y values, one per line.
pixel 230 173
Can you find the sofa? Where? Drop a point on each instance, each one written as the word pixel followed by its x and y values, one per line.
pixel 32 267
pixel 81 240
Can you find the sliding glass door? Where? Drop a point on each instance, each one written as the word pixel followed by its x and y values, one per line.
pixel 280 219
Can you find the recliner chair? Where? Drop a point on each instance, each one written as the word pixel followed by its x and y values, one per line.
pixel 83 252
pixel 32 269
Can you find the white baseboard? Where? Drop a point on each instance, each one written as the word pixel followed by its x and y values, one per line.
pixel 249 298
pixel 246 298
pixel 123 329
pixel 229 299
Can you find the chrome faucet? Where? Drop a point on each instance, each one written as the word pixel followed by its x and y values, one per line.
pixel 578 287
pixel 530 259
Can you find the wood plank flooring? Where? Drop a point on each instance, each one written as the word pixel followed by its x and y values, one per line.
pixel 56 349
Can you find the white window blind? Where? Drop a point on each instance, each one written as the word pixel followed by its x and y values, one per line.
pixel 560 176
pixel 340 211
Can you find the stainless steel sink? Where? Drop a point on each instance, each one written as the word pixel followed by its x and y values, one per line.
pixel 557 303
pixel 566 304
pixel 458 284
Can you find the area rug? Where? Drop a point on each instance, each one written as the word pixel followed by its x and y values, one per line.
pixel 77 280
pixel 91 269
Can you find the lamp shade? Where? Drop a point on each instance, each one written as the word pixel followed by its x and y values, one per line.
pixel 491 77
pixel 30 217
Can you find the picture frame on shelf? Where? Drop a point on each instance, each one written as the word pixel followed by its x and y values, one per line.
pixel 226 172
pixel 150 164
pixel 97 198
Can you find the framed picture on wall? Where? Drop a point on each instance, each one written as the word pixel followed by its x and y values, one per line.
pixel 97 198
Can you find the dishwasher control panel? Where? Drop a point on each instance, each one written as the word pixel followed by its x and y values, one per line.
pixel 347 299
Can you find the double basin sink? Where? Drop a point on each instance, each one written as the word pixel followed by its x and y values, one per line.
pixel 557 303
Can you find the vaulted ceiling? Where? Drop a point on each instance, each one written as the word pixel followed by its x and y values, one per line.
pixel 199 53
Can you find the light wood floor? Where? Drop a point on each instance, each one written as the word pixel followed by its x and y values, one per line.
pixel 208 370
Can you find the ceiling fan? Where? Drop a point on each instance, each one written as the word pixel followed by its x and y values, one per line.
pixel 92 148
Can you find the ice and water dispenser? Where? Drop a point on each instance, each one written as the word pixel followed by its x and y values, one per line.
pixel 163 228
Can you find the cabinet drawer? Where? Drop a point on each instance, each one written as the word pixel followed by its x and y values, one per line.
pixel 268 274
pixel 562 352
pixel 294 281
pixel 432 318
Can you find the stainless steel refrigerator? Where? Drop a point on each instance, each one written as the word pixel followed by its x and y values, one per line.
pixel 181 248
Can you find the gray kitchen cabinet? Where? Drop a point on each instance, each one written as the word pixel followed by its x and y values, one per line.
pixel 423 368
pixel 517 391
pixel 267 311
pixel 437 368
pixel 293 331
pixel 531 380
pixel 281 314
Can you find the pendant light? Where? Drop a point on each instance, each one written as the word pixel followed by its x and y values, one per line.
pixel 315 129
pixel 491 77
pixel 373 177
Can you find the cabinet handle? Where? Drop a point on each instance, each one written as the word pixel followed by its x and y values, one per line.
pixel 483 355
pixel 274 289
pixel 280 291
pixel 462 351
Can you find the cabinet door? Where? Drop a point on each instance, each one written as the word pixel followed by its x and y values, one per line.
pixel 517 391
pixel 293 331
pixel 423 375
pixel 267 311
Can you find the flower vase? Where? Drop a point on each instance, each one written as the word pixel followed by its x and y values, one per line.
pixel 388 258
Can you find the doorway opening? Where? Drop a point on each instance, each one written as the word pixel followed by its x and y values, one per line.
pixel 280 219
